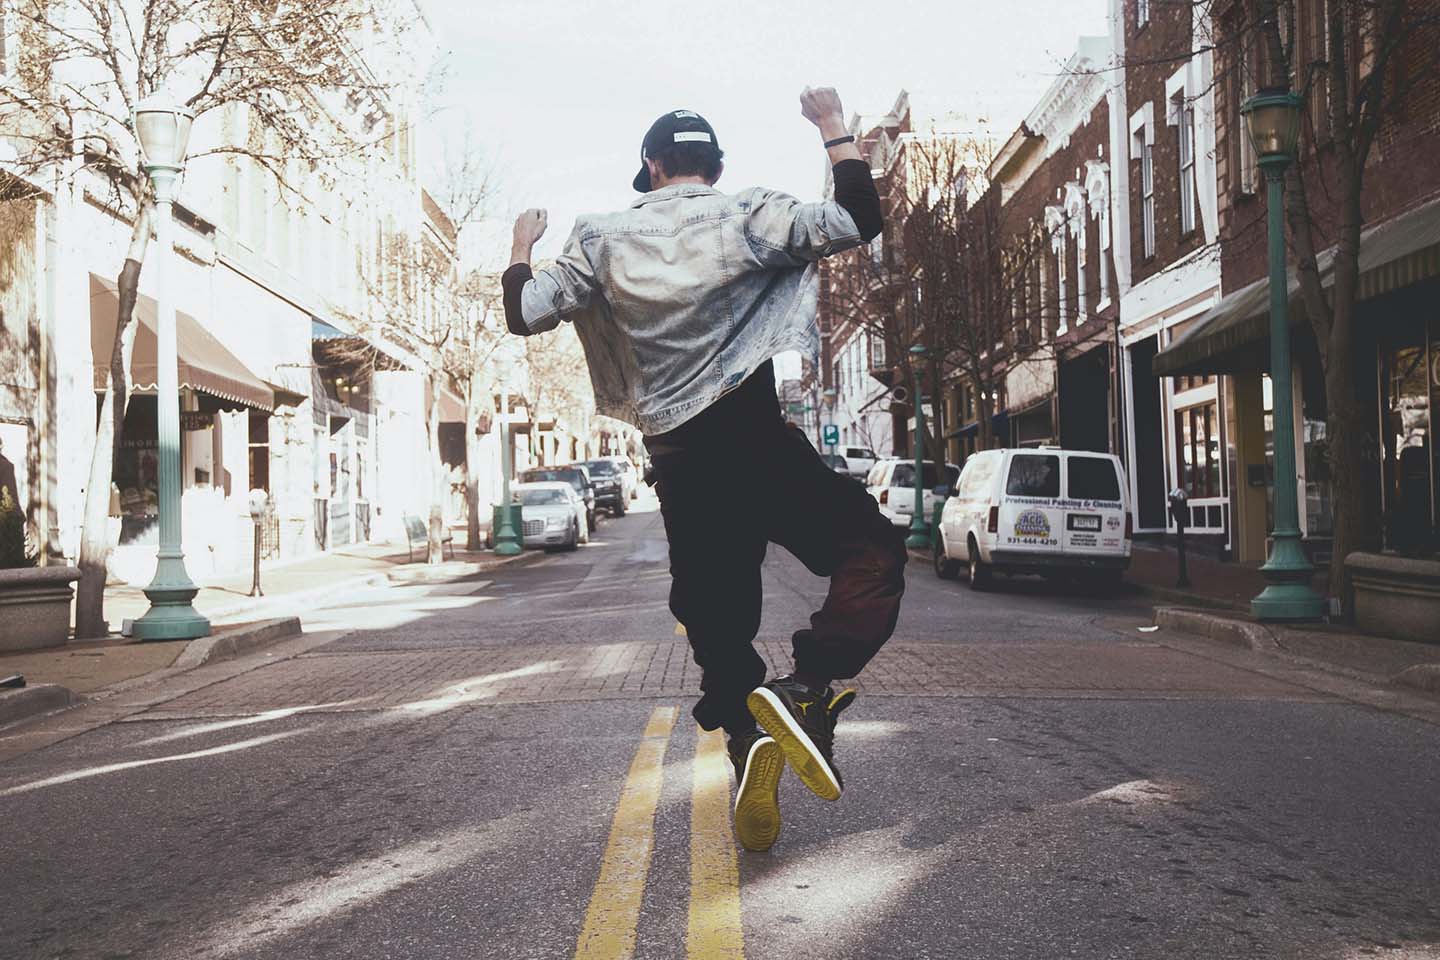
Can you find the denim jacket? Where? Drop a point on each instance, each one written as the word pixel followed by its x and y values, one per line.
pixel 682 296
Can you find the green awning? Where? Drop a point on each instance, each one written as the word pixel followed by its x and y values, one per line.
pixel 1234 335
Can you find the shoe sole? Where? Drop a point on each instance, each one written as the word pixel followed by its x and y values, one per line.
pixel 809 764
pixel 757 801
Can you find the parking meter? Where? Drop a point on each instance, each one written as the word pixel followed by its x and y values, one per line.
pixel 1180 513
pixel 259 501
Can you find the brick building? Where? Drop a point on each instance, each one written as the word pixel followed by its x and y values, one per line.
pixel 1396 378
pixel 1046 205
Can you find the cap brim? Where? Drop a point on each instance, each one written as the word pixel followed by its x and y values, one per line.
pixel 642 179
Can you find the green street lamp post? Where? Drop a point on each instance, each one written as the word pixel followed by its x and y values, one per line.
pixel 507 538
pixel 1273 119
pixel 163 131
pixel 919 527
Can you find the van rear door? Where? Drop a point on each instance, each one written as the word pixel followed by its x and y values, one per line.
pixel 1030 517
pixel 1094 506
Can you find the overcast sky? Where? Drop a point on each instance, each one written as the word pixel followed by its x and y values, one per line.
pixel 559 93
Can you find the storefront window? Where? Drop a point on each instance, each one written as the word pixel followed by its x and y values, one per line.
pixel 136 473
pixel 259 445
pixel 1197 439
pixel 1319 511
pixel 1408 380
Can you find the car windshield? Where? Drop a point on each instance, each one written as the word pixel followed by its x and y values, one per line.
pixel 905 475
pixel 1093 478
pixel 540 498
pixel 861 453
pixel 602 468
pixel 1034 475
pixel 571 477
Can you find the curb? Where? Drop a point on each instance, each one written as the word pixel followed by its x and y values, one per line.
pixel 318 594
pixel 229 644
pixel 1173 595
pixel 28 702
pixel 1422 676
pixel 1240 633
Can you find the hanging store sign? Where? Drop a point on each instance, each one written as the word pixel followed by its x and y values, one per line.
pixel 196 420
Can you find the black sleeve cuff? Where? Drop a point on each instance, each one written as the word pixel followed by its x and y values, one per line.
pixel 855 191
pixel 512 282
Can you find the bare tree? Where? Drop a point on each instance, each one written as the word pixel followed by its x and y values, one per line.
pixel 557 380
pixel 290 76
pixel 951 274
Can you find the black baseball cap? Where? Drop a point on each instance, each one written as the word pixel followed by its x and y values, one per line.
pixel 677 126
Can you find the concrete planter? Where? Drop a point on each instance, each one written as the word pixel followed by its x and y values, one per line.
pixel 35 607
pixel 1396 596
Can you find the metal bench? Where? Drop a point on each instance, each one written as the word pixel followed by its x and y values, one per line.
pixel 417 536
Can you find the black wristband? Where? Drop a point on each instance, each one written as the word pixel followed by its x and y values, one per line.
pixel 838 140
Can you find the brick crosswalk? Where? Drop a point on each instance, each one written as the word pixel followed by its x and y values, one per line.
pixel 640 669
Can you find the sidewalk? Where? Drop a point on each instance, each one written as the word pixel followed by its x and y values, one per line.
pixel 1217 604
pixel 1155 566
pixel 89 668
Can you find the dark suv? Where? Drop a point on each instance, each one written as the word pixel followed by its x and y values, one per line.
pixel 578 476
pixel 609 486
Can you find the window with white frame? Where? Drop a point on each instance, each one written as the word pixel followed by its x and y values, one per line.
pixel 1245 89
pixel 1147 198
pixel 4 38
pixel 1142 12
pixel 1186 135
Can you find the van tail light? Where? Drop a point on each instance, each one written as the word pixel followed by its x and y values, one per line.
pixel 884 497
pixel 994 525
pixel 1129 525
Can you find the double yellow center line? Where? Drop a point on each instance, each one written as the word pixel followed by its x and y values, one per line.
pixel 714 931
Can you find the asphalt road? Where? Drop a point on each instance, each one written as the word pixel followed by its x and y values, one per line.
pixel 506 768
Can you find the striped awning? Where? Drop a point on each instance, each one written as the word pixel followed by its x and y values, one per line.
pixel 1229 338
pixel 203 364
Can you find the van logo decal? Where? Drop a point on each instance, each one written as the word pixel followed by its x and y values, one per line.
pixel 1031 524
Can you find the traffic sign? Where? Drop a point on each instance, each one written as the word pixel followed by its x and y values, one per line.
pixel 831 434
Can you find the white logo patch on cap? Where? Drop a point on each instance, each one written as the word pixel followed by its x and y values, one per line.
pixel 686 136
pixel 686 114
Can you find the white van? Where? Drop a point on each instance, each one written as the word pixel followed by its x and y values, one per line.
pixel 859 461
pixel 892 483
pixel 1036 510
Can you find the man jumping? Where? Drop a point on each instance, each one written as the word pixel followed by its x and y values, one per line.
pixel 681 302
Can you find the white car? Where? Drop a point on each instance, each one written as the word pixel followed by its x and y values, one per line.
pixel 629 477
pixel 858 460
pixel 892 483
pixel 552 514
pixel 1037 510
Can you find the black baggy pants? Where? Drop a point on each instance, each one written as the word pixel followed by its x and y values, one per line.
pixel 722 505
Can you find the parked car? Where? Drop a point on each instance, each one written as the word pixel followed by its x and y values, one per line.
pixel 892 483
pixel 837 463
pixel 575 474
pixel 609 485
pixel 1043 510
pixel 861 460
pixel 552 515
pixel 629 477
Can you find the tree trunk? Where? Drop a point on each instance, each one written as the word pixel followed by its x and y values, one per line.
pixel 437 476
pixel 94 535
pixel 472 465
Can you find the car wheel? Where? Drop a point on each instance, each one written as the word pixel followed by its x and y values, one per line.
pixel 945 568
pixel 979 569
pixel 574 543
pixel 592 520
pixel 582 534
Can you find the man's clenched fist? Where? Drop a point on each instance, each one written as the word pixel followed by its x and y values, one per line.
pixel 530 227
pixel 821 104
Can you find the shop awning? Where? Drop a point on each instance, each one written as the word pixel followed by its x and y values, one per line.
pixel 999 423
pixel 1231 337
pixel 204 363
